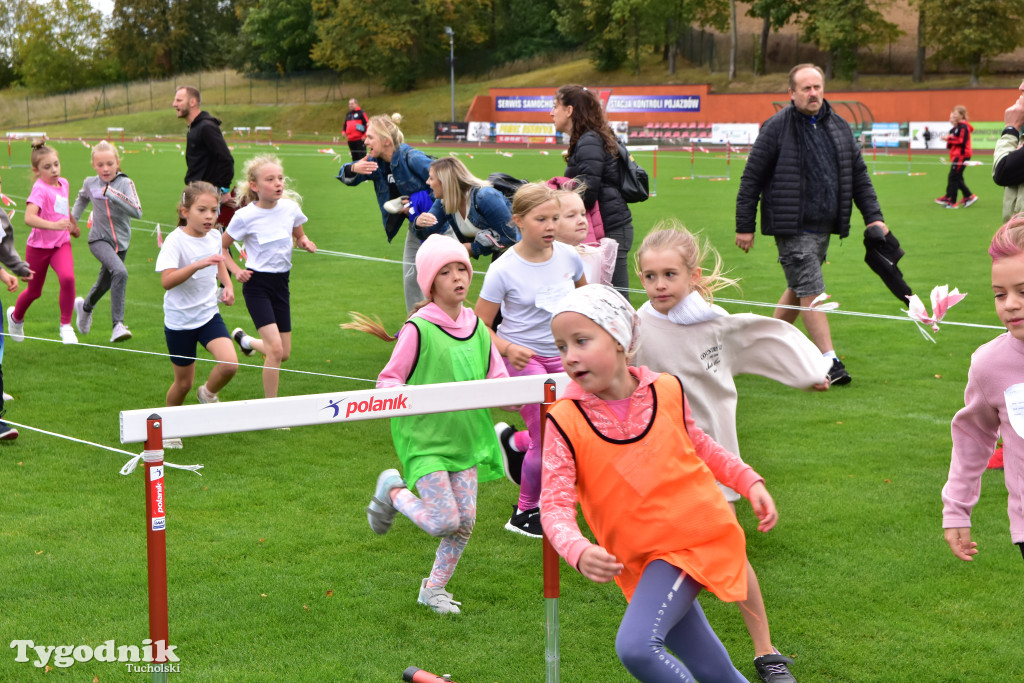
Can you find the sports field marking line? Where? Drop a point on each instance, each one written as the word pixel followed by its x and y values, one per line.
pixel 128 468
pixel 201 360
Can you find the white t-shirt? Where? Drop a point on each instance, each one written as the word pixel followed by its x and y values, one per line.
pixel 194 302
pixel 528 292
pixel 266 234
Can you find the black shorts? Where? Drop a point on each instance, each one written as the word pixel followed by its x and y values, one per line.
pixel 182 343
pixel 267 298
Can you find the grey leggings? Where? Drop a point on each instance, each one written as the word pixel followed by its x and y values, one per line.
pixel 664 613
pixel 113 277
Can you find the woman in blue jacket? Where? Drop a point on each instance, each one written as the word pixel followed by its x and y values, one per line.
pixel 478 214
pixel 397 170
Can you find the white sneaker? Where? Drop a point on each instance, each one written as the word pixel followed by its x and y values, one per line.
pixel 395 206
pixel 172 443
pixel 438 599
pixel 205 395
pixel 120 333
pixel 83 319
pixel 16 331
pixel 67 335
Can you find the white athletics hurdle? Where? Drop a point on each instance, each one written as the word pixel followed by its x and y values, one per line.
pixel 155 424
pixel 16 135
pixel 654 164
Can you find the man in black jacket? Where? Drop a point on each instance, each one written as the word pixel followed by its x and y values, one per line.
pixel 806 170
pixel 206 153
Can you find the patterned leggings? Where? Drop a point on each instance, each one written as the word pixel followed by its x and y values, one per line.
pixel 446 509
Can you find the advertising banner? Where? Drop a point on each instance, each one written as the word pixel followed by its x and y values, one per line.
pixel 526 133
pixel 613 104
pixel 450 130
pixel 928 134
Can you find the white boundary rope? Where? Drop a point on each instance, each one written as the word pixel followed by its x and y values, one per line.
pixel 144 352
pixel 129 466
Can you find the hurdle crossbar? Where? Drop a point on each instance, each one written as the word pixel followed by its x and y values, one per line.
pixel 22 135
pixel 342 406
pixel 154 425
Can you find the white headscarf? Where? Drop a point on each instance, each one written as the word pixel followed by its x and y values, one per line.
pixel 609 309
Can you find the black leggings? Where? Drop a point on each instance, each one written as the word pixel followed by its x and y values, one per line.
pixel 955 181
pixel 1019 545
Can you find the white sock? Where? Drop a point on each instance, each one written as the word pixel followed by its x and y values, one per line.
pixel 246 342
pixel 831 355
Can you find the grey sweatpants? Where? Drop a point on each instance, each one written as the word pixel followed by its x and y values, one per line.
pixel 113 277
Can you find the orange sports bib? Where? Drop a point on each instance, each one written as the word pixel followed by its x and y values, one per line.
pixel 652 497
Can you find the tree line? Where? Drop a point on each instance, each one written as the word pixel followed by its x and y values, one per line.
pixel 63 45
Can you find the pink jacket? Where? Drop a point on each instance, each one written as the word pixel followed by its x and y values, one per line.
pixel 995 367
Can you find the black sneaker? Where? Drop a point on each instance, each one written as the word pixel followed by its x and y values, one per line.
pixel 526 522
pixel 838 376
pixel 238 334
pixel 511 459
pixel 9 433
pixel 774 668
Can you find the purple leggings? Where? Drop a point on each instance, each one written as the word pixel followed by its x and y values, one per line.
pixel 529 491
pixel 664 615
pixel 63 263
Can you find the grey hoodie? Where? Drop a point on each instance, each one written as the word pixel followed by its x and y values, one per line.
pixel 113 207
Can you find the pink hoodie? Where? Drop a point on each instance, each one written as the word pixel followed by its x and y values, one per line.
pixel 995 367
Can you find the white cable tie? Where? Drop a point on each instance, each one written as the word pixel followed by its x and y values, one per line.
pixel 156 456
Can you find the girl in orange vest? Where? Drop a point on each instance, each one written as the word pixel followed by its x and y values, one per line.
pixel 622 442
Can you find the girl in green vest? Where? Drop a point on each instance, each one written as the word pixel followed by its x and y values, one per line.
pixel 444 454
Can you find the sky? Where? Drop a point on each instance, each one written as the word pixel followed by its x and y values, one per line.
pixel 105 6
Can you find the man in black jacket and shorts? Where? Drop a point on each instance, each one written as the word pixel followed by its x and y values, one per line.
pixel 806 170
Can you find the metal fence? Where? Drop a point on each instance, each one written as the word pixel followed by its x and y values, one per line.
pixel 217 88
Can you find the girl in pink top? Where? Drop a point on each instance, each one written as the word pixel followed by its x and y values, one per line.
pixel 48 213
pixel 993 404
pixel 445 455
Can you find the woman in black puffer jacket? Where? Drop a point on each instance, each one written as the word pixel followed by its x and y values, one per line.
pixel 594 159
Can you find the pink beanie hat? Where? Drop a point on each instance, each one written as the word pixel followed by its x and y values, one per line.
pixel 435 253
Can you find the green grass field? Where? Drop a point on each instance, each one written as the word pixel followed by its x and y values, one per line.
pixel 274 574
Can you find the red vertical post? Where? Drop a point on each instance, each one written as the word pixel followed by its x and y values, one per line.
pixel 551 581
pixel 156 538
pixel 654 169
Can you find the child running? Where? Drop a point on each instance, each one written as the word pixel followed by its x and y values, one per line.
pixel 992 405
pixel 526 284
pixel 115 202
pixel 684 334
pixel 958 141
pixel 622 442
pixel 573 227
pixel 190 263
pixel 7 432
pixel 266 226
pixel 445 454
pixel 598 265
pixel 48 213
